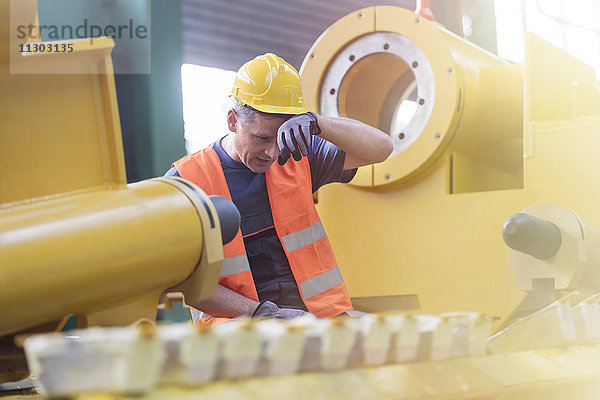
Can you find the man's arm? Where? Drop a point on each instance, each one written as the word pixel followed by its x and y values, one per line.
pixel 362 143
pixel 227 303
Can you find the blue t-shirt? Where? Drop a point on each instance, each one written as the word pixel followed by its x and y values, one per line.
pixel 269 265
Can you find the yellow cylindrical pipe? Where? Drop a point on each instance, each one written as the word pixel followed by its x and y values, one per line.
pixel 87 252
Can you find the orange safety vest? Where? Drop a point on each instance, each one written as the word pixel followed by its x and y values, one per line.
pixel 298 227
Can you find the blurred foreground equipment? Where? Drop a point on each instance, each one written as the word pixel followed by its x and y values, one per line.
pixel 389 356
pixel 75 239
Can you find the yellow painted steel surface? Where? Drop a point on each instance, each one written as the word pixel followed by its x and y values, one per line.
pixel 61 132
pixel 60 122
pixel 499 138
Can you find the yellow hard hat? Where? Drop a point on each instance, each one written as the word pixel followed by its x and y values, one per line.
pixel 269 84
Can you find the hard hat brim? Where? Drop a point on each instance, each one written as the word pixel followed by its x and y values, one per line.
pixel 272 109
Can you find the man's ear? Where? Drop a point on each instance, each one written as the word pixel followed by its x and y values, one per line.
pixel 232 120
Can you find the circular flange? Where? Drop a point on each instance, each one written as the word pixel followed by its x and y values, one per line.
pixel 396 39
pixel 349 59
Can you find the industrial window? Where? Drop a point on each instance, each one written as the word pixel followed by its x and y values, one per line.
pixel 205 94
pixel 570 25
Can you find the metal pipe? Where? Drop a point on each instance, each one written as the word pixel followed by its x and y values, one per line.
pixel 88 252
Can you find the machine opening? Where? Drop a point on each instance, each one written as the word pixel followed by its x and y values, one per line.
pixel 380 90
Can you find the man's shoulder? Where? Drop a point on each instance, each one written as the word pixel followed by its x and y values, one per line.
pixel 203 159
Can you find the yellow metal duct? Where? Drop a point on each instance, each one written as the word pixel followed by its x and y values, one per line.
pixel 93 251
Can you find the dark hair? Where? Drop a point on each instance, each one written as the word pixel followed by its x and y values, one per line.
pixel 246 114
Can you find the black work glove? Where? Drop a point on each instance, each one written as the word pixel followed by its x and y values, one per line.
pixel 295 136
pixel 268 309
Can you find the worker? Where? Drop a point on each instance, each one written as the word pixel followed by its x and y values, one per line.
pixel 280 264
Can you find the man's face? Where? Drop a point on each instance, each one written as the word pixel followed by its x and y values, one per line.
pixel 255 143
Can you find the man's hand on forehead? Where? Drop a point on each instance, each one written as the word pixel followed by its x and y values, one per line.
pixel 294 136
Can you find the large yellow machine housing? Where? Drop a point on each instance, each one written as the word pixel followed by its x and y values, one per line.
pixel 487 139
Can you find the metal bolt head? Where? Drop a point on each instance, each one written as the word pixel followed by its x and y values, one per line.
pixel 421 101
pixel 415 64
pixel 386 46
pixel 351 57
pixel 401 136
pixel 332 91
pixel 387 177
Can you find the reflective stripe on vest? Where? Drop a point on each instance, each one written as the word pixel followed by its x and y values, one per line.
pixel 322 282
pixel 304 237
pixel 298 227
pixel 235 265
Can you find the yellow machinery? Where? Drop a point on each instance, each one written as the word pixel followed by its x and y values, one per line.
pixel 476 141
pixel 485 140
pixel 74 237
